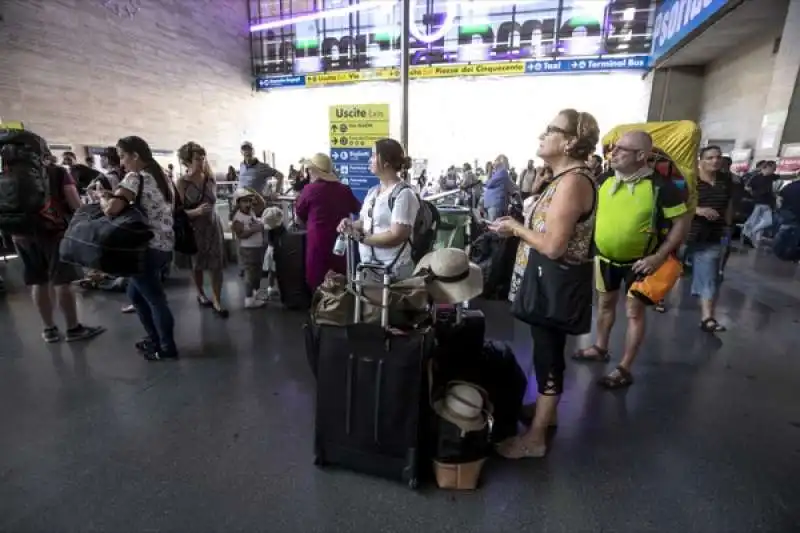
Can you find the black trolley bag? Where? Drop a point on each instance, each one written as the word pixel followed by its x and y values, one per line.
pixel 372 398
pixel 290 268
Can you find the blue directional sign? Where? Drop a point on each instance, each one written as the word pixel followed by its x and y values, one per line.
pixel 352 166
pixel 676 20
pixel 276 82
pixel 571 66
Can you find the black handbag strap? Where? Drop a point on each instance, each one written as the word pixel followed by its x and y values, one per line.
pixel 586 173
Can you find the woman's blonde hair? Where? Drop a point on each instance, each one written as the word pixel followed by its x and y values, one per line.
pixel 583 127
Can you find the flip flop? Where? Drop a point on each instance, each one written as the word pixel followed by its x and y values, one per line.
pixel 710 325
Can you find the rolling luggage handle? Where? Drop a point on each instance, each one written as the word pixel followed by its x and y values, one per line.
pixel 355 275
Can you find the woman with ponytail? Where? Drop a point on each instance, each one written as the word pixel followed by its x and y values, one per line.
pixel 145 290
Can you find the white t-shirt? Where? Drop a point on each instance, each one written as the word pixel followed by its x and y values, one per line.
pixel 157 208
pixel 249 220
pixel 406 206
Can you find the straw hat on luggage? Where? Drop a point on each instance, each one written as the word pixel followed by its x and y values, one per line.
pixel 463 405
pixel 452 278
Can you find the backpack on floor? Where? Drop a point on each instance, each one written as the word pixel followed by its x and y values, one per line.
pixel 25 200
pixel 786 244
pixel 423 234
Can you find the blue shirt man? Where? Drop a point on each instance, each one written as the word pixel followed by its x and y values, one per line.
pixel 253 174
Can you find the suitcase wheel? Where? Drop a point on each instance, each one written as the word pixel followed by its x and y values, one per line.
pixel 413 483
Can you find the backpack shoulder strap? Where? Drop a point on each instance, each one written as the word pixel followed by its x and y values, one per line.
pixel 400 187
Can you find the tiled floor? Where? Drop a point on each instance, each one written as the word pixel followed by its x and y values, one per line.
pixel 93 438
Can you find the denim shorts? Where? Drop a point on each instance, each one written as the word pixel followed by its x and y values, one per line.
pixel 705 260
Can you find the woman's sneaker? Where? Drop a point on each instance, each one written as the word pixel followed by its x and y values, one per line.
pixel 83 333
pixel 160 355
pixel 51 335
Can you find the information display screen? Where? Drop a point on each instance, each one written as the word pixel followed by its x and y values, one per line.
pixel 294 37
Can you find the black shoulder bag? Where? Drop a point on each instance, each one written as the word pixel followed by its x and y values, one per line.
pixel 556 294
pixel 185 243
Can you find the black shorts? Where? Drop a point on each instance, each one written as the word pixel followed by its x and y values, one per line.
pixel 610 277
pixel 41 261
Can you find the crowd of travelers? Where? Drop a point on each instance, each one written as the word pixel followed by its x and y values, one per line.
pixel 609 223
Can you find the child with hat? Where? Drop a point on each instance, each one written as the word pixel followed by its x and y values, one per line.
pixel 249 230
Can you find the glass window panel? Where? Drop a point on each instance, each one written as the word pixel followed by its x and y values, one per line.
pixel 581 31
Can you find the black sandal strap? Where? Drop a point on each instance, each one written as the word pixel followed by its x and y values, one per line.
pixel 622 378
pixel 710 325
pixel 602 355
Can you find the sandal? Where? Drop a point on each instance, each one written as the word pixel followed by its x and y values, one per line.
pixel 220 311
pixel 203 301
pixel 710 325
pixel 527 413
pixel 619 378
pixel 592 354
pixel 517 448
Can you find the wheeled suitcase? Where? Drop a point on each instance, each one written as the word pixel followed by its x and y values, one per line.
pixel 372 398
pixel 289 254
pixel 463 353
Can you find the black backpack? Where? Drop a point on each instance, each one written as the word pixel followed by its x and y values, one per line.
pixel 25 200
pixel 423 235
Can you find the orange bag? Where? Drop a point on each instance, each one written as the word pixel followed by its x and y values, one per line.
pixel 655 287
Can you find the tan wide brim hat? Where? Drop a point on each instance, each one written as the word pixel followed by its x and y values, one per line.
pixel 320 166
pixel 464 405
pixel 453 278
pixel 243 193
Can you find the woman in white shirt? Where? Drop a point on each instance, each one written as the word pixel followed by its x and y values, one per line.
pixel 387 216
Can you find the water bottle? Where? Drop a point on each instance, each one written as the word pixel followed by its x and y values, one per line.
pixel 340 248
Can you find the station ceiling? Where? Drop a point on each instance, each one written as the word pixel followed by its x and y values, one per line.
pixel 745 20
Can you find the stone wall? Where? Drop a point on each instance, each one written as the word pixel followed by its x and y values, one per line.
pixel 735 91
pixel 85 72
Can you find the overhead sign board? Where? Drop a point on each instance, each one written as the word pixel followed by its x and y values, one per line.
pixel 344 35
pixel 500 68
pixel 353 130
pixel 676 19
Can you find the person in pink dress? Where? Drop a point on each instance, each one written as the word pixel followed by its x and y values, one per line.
pixel 322 204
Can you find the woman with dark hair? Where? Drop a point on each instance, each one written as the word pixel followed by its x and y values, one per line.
pixel 198 191
pixel 388 213
pixel 157 200
pixel 559 228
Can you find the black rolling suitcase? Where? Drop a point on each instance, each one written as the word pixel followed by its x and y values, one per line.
pixel 372 398
pixel 463 353
pixel 290 269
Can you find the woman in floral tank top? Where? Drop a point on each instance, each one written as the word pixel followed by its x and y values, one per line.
pixel 560 226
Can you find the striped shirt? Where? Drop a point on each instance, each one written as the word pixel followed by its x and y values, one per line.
pixel 716 197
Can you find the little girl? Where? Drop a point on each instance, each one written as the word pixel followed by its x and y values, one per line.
pixel 249 230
